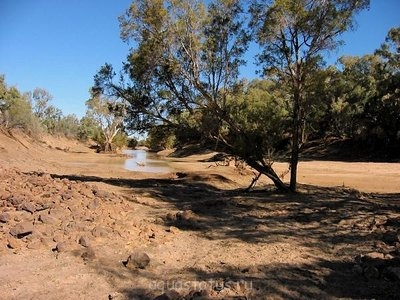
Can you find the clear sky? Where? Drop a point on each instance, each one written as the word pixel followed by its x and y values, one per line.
pixel 59 45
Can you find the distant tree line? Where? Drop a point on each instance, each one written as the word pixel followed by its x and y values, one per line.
pixel 33 113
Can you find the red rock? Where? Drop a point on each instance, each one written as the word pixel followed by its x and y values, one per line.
pixel 5 195
pixel 66 196
pixel 5 217
pixel 21 229
pixel 59 213
pixel 13 243
pixel 28 206
pixel 48 219
pixel 95 203
pixel 16 200
pixel 99 231
pixel 137 260
pixel 64 246
pixel 35 244
pixel 84 241
pixel 48 242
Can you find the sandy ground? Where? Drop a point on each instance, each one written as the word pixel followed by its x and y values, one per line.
pixel 204 237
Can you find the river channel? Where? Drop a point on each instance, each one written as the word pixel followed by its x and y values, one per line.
pixel 145 161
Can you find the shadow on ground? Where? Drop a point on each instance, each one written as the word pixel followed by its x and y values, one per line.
pixel 342 223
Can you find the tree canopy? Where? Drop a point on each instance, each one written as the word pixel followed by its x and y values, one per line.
pixel 183 72
pixel 294 34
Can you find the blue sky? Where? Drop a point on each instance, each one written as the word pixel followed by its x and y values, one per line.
pixel 59 45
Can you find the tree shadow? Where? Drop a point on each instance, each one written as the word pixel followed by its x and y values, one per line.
pixel 342 223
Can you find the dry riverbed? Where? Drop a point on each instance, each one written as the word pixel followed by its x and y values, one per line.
pixel 77 225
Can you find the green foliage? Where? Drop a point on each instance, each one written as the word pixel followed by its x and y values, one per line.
pixel 187 57
pixel 294 34
pixel 132 143
pixel 51 118
pixel 361 98
pixel 88 129
pixel 180 81
pixel 160 138
pixel 107 115
pixel 68 126
pixel 261 112
pixel 196 126
pixel 16 110
pixel 120 140
pixel 41 100
pixel 382 110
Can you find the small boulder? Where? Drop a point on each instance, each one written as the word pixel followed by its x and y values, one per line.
pixel 13 243
pixel 170 217
pixel 250 270
pixel 21 229
pixel 23 216
pixel 48 242
pixel 16 200
pixel 162 297
pixel 47 219
pixel 5 217
pixel 93 204
pixel 64 247
pixel 84 241
pixel 390 237
pixel 99 231
pixel 44 205
pixel 137 260
pixel 28 206
pixel 66 196
pixel 35 244
pixel 346 222
pixel 5 195
pixel 86 191
pixel 100 194
pixel 59 213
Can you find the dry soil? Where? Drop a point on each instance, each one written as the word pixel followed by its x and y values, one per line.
pixel 76 225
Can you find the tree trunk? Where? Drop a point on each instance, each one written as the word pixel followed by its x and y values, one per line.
pixel 270 173
pixel 108 146
pixel 294 159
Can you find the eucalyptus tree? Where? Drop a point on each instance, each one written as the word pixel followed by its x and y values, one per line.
pixel 108 114
pixel 186 61
pixel 41 99
pixel 382 112
pixel 294 34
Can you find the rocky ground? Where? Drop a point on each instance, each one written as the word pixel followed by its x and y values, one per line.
pixel 74 233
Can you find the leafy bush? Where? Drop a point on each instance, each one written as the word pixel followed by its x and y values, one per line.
pixel 16 110
pixel 160 138
pixel 120 140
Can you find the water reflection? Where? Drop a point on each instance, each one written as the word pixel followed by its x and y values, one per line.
pixel 144 161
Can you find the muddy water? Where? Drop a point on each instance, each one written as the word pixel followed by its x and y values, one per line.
pixel 144 161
